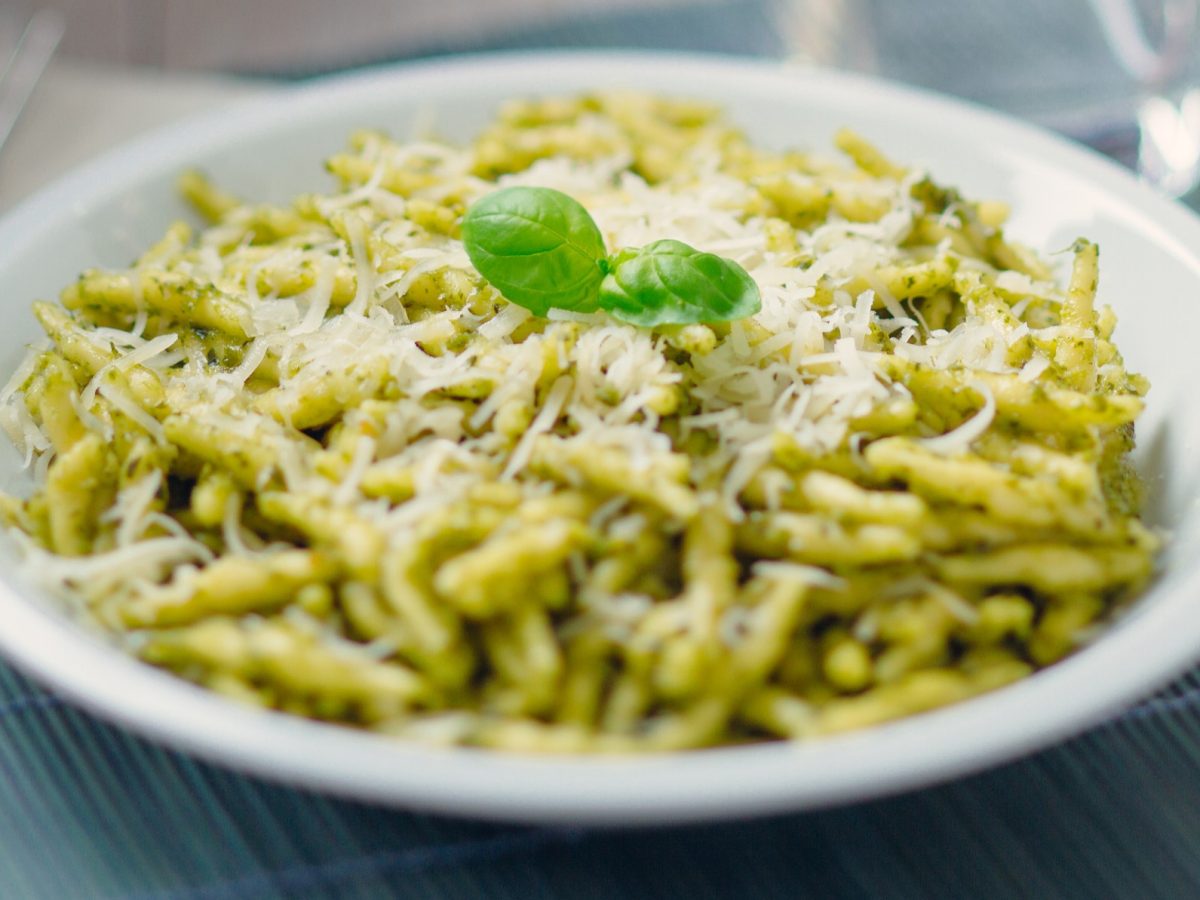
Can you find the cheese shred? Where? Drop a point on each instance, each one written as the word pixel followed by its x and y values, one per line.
pixel 307 456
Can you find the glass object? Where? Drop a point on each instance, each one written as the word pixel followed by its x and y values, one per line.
pixel 1154 44
pixel 1120 75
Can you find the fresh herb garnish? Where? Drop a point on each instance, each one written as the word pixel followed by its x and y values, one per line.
pixel 541 250
pixel 669 283
pixel 538 247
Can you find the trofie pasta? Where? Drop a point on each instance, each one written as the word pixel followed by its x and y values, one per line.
pixel 309 457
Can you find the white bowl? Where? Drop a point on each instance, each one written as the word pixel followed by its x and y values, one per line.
pixel 106 212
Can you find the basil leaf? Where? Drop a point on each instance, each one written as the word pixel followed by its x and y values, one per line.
pixel 538 247
pixel 669 283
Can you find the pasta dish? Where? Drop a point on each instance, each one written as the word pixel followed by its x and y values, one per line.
pixel 848 455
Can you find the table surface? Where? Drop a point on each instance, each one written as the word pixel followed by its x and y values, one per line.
pixel 87 810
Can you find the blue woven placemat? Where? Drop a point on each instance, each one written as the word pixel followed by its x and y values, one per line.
pixel 89 811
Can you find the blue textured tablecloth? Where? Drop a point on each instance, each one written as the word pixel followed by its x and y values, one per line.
pixel 89 811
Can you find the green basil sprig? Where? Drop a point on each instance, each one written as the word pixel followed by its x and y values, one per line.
pixel 541 250
pixel 538 247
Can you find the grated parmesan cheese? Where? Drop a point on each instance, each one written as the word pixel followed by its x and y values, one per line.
pixel 417 493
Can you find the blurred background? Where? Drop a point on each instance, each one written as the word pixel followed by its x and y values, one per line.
pixel 1036 57
pixel 1084 67
pixel 1114 813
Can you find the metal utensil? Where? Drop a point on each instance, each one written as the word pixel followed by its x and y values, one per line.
pixel 25 67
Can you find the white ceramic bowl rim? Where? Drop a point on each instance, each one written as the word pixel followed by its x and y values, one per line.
pixel 708 784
